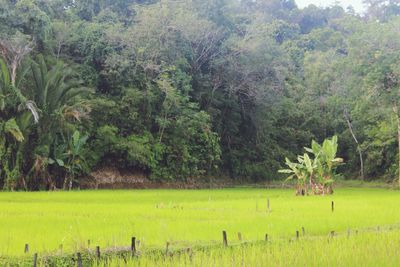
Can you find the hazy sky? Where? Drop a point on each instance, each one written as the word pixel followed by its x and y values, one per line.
pixel 357 4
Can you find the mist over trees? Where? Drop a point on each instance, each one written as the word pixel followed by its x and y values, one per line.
pixel 186 89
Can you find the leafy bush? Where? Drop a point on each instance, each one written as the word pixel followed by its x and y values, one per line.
pixel 316 174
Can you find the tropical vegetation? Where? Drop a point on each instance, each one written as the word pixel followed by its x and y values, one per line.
pixel 315 173
pixel 179 90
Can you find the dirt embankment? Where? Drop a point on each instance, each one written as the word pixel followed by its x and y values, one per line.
pixel 112 178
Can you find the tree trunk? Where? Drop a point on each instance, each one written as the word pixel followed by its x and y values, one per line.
pixel 350 125
pixel 14 67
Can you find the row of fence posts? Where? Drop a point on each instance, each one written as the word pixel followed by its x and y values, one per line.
pixel 133 246
pixel 78 254
pixel 269 208
pixel 133 241
pixel 225 238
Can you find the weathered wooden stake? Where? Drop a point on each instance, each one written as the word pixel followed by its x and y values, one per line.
pixel 79 259
pixel 35 260
pixel 332 234
pixel 26 248
pixel 224 238
pixel 88 243
pixel 268 207
pixel 297 234
pixel 303 230
pixel 190 252
pixel 240 236
pixel 266 237
pixel 98 252
pixel 133 245
pixel 333 206
pixel 166 249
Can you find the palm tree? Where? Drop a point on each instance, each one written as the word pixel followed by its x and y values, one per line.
pixel 54 101
pixel 58 96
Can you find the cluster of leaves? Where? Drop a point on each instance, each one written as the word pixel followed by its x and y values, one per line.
pixel 39 134
pixel 316 173
pixel 181 89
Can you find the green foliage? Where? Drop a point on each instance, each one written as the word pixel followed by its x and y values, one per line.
pixel 317 172
pixel 11 127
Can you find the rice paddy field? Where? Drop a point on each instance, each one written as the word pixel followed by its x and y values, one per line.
pixel 363 228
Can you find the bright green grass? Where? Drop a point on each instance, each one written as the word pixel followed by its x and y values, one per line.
pixel 109 218
pixel 372 249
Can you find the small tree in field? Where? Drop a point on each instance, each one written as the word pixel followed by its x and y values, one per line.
pixel 317 173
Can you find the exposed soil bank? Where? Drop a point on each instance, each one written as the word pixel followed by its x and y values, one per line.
pixel 112 178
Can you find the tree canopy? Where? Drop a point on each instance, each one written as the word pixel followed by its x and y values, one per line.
pixel 186 89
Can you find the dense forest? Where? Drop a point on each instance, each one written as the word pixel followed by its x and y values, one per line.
pixel 184 89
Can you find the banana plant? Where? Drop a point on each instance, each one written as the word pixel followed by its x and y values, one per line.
pixel 298 171
pixel 329 149
pixel 69 156
pixel 327 161
pixel 319 170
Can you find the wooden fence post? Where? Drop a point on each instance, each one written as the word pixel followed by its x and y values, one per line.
pixel 98 252
pixel 266 237
pixel 240 236
pixel 190 252
pixel 333 206
pixel 35 256
pixel 224 238
pixel 133 245
pixel 297 234
pixel 303 230
pixel 166 249
pixel 268 207
pixel 79 259
pixel 26 248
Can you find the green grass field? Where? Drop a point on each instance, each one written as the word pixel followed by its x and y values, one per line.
pixel 185 218
pixel 362 249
